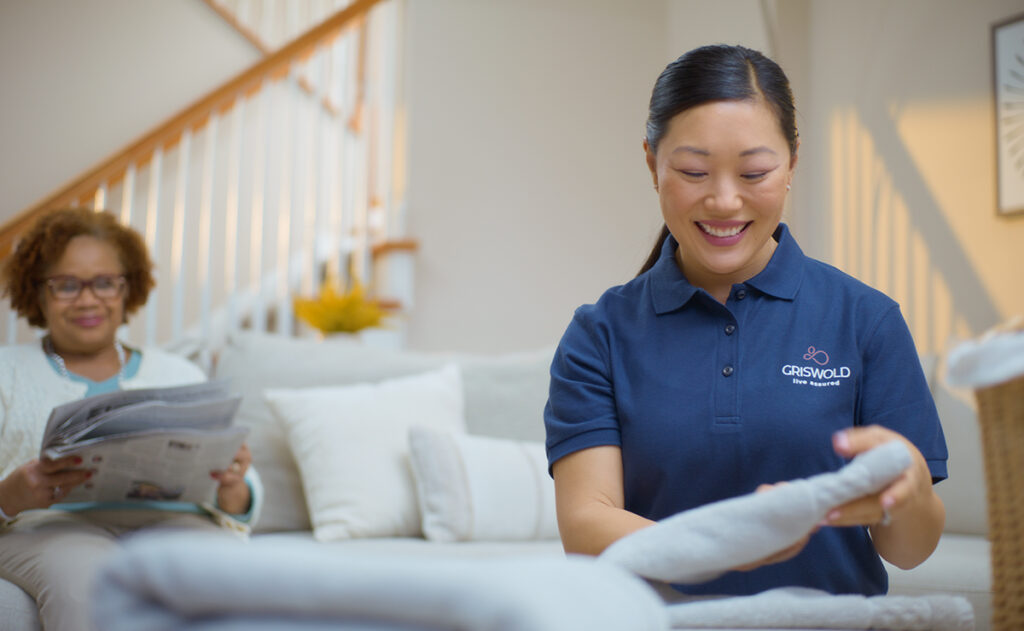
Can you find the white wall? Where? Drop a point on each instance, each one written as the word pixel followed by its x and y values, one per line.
pixel 896 179
pixel 527 185
pixel 693 23
pixel 83 79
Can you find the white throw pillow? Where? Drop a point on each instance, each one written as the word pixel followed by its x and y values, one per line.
pixel 351 446
pixel 478 488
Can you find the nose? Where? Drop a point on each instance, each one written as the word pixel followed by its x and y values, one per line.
pixel 87 296
pixel 724 196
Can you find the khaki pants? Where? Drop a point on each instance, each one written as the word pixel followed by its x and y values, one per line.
pixel 55 555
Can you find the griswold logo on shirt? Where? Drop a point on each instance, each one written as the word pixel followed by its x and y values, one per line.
pixel 817 372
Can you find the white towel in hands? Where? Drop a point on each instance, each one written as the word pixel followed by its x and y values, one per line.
pixel 698 545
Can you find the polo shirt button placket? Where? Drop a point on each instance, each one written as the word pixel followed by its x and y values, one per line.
pixel 741 294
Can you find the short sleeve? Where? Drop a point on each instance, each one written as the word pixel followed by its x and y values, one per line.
pixel 894 392
pixel 580 412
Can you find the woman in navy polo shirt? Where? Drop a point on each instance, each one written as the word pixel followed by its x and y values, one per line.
pixel 733 361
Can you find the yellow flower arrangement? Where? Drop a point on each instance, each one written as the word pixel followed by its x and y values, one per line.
pixel 334 312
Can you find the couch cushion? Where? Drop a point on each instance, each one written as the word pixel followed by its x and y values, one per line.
pixel 351 446
pixel 506 393
pixel 254 362
pixel 473 488
pixel 504 397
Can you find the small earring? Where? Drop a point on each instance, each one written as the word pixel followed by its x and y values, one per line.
pixel 788 187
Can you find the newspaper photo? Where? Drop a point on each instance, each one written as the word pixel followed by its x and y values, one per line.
pixel 151 444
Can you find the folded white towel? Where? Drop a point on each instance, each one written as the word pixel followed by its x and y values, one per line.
pixel 801 608
pixel 160 582
pixel 700 544
pixel 996 357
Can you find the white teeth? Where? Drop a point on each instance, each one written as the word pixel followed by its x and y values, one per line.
pixel 722 232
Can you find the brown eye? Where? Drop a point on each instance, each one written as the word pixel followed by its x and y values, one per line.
pixel 66 286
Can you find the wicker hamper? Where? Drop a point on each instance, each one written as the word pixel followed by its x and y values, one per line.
pixel 1001 414
pixel 993 366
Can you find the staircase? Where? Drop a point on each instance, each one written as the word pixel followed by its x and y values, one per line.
pixel 287 174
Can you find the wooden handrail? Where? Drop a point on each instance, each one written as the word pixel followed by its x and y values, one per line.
pixel 236 24
pixel 257 42
pixel 384 248
pixel 192 117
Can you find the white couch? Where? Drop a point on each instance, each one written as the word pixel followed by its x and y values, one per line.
pixel 503 399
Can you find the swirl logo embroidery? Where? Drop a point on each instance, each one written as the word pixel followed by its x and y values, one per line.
pixel 817 375
pixel 817 356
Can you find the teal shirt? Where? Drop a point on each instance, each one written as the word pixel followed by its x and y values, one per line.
pixel 131 368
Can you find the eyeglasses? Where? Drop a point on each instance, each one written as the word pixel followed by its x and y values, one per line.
pixel 68 288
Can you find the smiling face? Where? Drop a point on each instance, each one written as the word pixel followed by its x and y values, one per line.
pixel 86 324
pixel 721 171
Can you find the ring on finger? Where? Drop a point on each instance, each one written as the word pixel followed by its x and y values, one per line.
pixel 886 518
pixel 236 466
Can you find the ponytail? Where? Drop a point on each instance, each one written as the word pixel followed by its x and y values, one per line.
pixel 655 254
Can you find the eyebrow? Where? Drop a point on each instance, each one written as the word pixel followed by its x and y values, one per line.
pixel 705 152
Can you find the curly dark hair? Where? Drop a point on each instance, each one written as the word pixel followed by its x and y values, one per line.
pixel 44 243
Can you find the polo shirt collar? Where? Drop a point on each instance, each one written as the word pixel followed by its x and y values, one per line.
pixel 780 278
pixel 669 288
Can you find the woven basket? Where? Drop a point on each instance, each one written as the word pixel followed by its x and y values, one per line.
pixel 1001 415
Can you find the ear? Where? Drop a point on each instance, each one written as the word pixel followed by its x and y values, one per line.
pixel 652 163
pixel 792 158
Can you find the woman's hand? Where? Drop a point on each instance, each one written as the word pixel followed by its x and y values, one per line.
pixel 782 555
pixel 233 495
pixel 40 484
pixel 911 488
pixel 906 517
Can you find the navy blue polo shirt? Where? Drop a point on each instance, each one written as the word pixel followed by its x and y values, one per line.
pixel 707 401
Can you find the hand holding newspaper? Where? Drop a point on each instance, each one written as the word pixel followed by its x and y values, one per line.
pixel 152 444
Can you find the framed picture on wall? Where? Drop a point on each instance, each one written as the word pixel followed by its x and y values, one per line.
pixel 1008 66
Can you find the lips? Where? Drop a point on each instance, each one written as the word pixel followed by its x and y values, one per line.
pixel 723 233
pixel 88 321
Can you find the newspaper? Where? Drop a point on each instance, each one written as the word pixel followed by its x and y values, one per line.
pixel 151 444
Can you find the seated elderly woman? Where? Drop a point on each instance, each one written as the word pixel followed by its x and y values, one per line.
pixel 78 274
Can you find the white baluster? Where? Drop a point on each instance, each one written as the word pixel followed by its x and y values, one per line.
pixel 231 235
pixel 99 199
pixel 262 127
pixel 128 194
pixel 290 201
pixel 178 237
pixel 152 221
pixel 205 241
pixel 389 39
pixel 310 225
pixel 339 183
pixel 322 133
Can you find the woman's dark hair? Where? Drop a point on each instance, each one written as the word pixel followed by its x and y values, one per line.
pixel 717 73
pixel 44 243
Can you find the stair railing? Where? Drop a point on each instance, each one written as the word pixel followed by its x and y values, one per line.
pixel 256 192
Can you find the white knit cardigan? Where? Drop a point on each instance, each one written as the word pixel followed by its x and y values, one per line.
pixel 30 388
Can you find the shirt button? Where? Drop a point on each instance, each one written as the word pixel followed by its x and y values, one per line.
pixel 730 329
pixel 741 294
pixel 727 371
